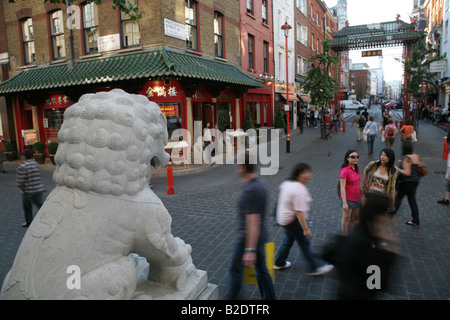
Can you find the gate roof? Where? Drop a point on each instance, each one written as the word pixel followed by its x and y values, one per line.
pixel 384 34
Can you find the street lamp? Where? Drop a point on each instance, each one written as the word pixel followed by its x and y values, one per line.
pixel 286 27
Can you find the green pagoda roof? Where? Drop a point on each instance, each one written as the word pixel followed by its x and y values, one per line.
pixel 393 33
pixel 158 63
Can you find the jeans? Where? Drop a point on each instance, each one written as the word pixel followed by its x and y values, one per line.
pixel 263 277
pixel 408 189
pixel 370 142
pixel 294 232
pixel 27 200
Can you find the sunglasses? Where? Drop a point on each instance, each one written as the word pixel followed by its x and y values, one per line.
pixel 354 157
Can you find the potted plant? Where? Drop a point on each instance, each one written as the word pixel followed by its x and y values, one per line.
pixel 39 152
pixel 10 151
pixel 51 148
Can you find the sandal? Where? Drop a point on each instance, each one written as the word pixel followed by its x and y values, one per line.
pixel 410 223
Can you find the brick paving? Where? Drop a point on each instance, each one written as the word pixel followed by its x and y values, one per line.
pixel 203 211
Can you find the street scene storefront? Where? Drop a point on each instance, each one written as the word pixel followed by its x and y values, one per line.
pixel 187 88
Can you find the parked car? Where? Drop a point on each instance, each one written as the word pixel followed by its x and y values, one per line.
pixel 352 105
pixel 393 104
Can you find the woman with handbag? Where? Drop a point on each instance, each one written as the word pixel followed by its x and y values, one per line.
pixel 371 130
pixel 407 131
pixel 408 172
pixel 381 176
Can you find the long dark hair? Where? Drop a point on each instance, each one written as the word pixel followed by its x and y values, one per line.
pixel 391 155
pixel 376 205
pixel 299 169
pixel 346 162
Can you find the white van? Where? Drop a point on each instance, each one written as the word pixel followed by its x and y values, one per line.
pixel 352 105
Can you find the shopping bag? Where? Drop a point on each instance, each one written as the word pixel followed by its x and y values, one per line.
pixel 249 273
pixel 414 136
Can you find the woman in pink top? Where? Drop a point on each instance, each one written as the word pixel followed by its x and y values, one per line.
pixel 351 191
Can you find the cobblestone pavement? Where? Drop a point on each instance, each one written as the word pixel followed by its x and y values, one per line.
pixel 203 212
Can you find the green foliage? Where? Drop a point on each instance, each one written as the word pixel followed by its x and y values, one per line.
pixel 124 5
pixel 9 147
pixel 279 120
pixel 52 147
pixel 319 83
pixel 417 70
pixel 248 122
pixel 39 147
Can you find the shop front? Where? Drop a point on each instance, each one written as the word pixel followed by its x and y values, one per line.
pixel 260 103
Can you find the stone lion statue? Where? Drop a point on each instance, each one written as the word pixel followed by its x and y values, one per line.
pixel 102 213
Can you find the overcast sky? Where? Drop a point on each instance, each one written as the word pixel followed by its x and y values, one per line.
pixel 373 11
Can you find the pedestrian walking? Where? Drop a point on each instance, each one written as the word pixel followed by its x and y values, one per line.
pixel 407 131
pixel 373 244
pixel 408 181
pixel 2 153
pixel 390 132
pixel 351 191
pixel 316 117
pixel 381 176
pixel 446 200
pixel 29 181
pixel 360 122
pixel 301 119
pixel 252 234
pixel 371 129
pixel 292 214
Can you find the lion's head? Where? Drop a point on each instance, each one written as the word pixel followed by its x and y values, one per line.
pixel 108 142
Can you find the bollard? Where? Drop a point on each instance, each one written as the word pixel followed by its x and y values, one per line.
pixel 343 126
pixel 396 123
pixel 170 186
pixel 445 153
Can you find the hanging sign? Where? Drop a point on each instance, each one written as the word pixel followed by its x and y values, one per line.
pixel 372 53
pixel 438 66
pixel 169 111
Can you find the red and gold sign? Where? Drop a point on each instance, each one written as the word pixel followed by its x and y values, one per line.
pixel 170 111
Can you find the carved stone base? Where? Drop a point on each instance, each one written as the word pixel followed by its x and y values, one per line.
pixel 146 289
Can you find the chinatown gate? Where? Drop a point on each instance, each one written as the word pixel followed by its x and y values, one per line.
pixel 375 36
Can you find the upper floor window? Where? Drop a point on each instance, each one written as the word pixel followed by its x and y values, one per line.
pixel 301 5
pixel 251 47
pixel 218 34
pixel 29 53
pixel 90 28
pixel 129 29
pixel 266 56
pixel 264 11
pixel 57 35
pixel 302 34
pixel 250 6
pixel 190 10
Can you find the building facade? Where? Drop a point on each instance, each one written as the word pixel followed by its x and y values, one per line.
pixel 182 54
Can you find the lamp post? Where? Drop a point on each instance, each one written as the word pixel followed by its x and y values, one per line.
pixel 286 27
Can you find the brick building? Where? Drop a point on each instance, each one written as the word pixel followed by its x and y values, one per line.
pixel 360 81
pixel 182 54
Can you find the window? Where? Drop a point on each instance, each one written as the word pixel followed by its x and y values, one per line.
pixel 264 11
pixel 129 29
pixel 317 18
pixel 251 58
pixel 250 6
pixel 265 56
pixel 312 41
pixel 318 45
pixel 29 54
pixel 218 34
pixel 57 35
pixel 301 65
pixel 312 12
pixel 302 34
pixel 90 28
pixel 301 5
pixel 190 11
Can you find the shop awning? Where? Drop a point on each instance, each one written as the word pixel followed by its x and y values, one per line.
pixel 157 63
pixel 292 97
pixel 305 98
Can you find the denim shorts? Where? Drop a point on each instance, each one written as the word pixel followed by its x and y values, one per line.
pixel 352 204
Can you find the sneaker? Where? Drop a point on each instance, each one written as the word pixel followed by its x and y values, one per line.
pixel 321 270
pixel 443 201
pixel 287 265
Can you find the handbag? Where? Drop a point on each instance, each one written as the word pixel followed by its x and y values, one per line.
pixel 422 169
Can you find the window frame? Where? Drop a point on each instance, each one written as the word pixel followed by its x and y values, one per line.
pixel 249 7
pixel 27 42
pixel 251 50
pixel 192 26
pixel 54 35
pixel 94 28
pixel 218 34
pixel 266 56
pixel 124 20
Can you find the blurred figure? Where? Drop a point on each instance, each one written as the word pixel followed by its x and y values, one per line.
pixel 2 153
pixel 249 249
pixel 372 132
pixel 292 213
pixel 408 181
pixel 446 199
pixel 365 258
